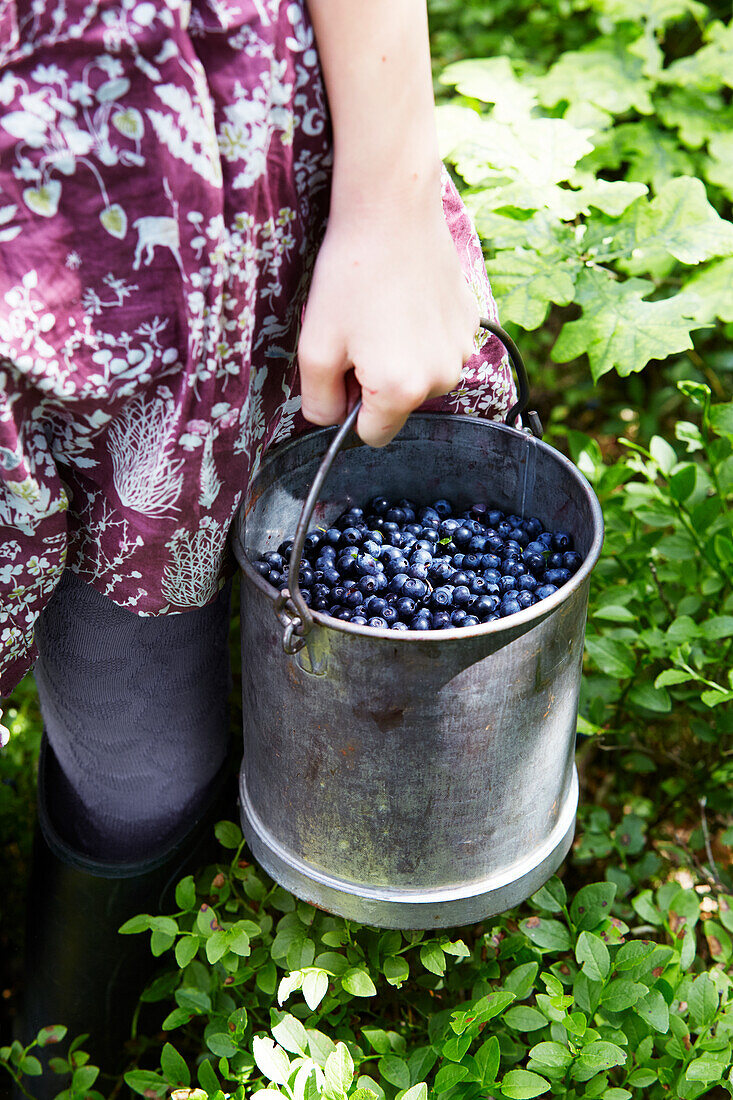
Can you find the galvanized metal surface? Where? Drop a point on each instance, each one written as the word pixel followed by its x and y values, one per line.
pixel 414 779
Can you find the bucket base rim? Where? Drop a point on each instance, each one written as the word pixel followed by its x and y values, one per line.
pixel 398 907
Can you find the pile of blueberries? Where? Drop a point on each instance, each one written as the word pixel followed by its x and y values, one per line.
pixel 398 566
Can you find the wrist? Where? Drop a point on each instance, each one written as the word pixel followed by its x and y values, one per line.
pixel 392 188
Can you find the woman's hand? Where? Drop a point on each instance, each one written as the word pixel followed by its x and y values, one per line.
pixel 388 300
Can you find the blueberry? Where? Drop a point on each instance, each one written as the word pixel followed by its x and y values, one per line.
pixel 305 576
pixel 458 560
pixel 440 599
pixel 274 560
pixel 477 586
pixel 491 576
pixel 459 578
pixel 343 613
pixel 470 620
pixel 534 562
pixel 277 578
pixel 473 561
pixel 535 547
pixel 458 617
pixel 376 536
pixel 508 607
pixel 484 605
pixel 369 546
pixel 492 589
pixel 447 527
pixel 506 583
pixel 526 583
pixel 430 536
pixel 367 585
pixel 544 591
pixel 332 536
pixel 395 515
pixel 346 563
pixel 526 599
pixel 353 599
pixel 415 588
pixel 398 625
pixel 377 622
pixel 350 536
pixel 262 568
pixel 557 577
pixel 532 526
pixel 405 607
pixel 306 596
pixel 494 516
pixel 440 570
pixel 395 566
pixel 443 508
pixel 514 568
pixel 511 553
pixel 366 565
pixel 397 582
pixel 375 605
pixel 390 615
pixel 429 517
pixel 320 603
pixel 420 556
pixel 419 572
pixel 479 511
pixel 313 542
pixel 462 537
pixel 378 505
pixel 390 529
pixel 331 575
pixel 572 561
pixel 440 620
pixel 327 553
pixel 359 620
pixel 546 539
pixel 420 622
pixel 413 529
pixel 389 552
pixel 561 540
pixel 461 596
pixel 494 544
pixel 520 536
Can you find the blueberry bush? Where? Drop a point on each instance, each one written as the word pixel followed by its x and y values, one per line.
pixel 592 141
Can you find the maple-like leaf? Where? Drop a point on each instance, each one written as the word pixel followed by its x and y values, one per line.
pixel 682 222
pixel 606 75
pixel 696 115
pixel 708 67
pixel 620 329
pixel 525 282
pixel 710 292
pixel 719 166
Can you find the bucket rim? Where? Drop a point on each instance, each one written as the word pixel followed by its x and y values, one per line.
pixel 527 617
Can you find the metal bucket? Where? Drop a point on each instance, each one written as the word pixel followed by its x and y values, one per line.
pixel 412 779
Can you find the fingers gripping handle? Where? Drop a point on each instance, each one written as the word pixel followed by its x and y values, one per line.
pixel 290 607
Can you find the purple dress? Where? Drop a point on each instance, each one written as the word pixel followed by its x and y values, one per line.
pixel 164 186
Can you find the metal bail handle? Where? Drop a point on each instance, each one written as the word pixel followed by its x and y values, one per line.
pixel 290 607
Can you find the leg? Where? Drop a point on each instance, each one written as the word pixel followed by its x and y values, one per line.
pixel 135 711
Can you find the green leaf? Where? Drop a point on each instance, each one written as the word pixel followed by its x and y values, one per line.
pixel 520 980
pixel 396 970
pixel 417 1092
pixel 315 987
pixel 526 282
pixel 681 221
pixel 174 1067
pixel 179 1017
pixel 552 896
pixel 433 958
pixel 721 418
pixel 456 1047
pixel 548 934
pixel 520 1084
pixel 663 454
pixel 607 77
pixel 358 983
pixel 621 994
pixel 592 904
pixel 339 1072
pixel 271 1060
pixel 596 1057
pixel 217 945
pixel 228 834
pixel 140 923
pixel 651 697
pixel 718 626
pixel 614 613
pixel 705 1068
pixel 291 1035
pixel 672 676
pixel 146 1083
pixel 50 1035
pixel 619 329
pixel 552 1055
pixel 186 893
pixel 378 1039
pixel 593 954
pixel 524 1018
pixel 33 1068
pixel 487 1060
pixel 186 949
pixel 449 1076
pixel 632 953
pixel 702 1000
pixel 610 656
pixel 395 1070
pixel 653 1008
pixel 207 1077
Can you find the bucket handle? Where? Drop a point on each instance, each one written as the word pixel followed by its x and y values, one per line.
pixel 290 607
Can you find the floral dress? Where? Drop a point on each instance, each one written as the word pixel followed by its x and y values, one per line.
pixel 164 186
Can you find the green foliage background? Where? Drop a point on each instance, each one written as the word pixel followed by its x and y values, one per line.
pixel 592 142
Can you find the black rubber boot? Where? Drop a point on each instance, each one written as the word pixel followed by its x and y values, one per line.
pixel 79 971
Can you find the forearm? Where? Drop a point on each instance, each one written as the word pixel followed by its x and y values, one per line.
pixel 375 57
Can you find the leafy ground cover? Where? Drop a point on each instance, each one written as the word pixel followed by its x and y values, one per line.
pixel 592 141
